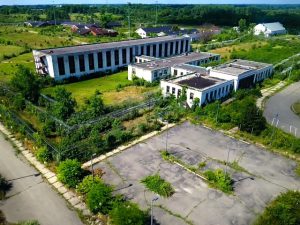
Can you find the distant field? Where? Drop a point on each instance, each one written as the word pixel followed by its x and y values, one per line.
pixel 9 51
pixel 107 86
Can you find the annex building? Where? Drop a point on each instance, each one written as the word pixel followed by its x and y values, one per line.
pixel 76 61
pixel 153 69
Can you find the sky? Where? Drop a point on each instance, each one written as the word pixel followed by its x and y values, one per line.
pixel 33 2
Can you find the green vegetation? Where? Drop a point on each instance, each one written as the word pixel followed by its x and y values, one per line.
pixel 285 209
pixel 158 185
pixel 70 173
pixel 5 186
pixel 43 155
pixel 220 180
pixel 87 184
pixel 297 170
pixel 128 214
pixel 296 108
pixel 28 222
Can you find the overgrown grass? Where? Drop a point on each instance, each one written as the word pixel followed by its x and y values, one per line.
pixel 220 180
pixel 296 108
pixel 158 185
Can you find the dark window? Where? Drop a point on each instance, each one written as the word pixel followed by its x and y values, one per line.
pixel 91 61
pixel 131 54
pixel 160 50
pixel 179 92
pixel 171 48
pixel 116 57
pixel 61 65
pixel 219 92
pixel 72 64
pixel 154 50
pixel 186 45
pixel 143 50
pixel 175 72
pixel 148 50
pixel 124 55
pixel 81 63
pixel 136 50
pixel 168 89
pixel 108 59
pixel 166 50
pixel 210 95
pixel 173 90
pixel 181 47
pixel 100 60
pixel 191 96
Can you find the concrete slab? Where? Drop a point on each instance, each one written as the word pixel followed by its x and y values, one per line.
pixel 68 195
pixel 57 184
pixel 52 180
pixel 62 190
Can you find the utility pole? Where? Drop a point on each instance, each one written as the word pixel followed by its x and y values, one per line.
pixel 54 13
pixel 129 25
pixel 155 13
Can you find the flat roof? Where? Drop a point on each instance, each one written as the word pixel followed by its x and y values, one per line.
pixel 191 68
pixel 198 82
pixel 108 45
pixel 176 60
pixel 240 66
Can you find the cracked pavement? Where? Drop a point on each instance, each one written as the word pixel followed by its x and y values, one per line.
pixel 194 202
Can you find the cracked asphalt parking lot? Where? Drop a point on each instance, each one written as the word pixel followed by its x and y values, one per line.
pixel 194 202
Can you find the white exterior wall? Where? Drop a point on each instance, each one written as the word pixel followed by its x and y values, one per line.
pixel 141 33
pixel 260 28
pixel 217 74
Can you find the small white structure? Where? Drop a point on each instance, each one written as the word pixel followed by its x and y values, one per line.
pixel 159 31
pixel 269 29
pixel 244 73
pixel 156 69
pixel 203 87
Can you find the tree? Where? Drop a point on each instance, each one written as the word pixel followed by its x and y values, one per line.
pixel 95 104
pixel 127 214
pixel 284 210
pixel 99 198
pixel 69 172
pixel 64 105
pixel 25 82
pixel 242 25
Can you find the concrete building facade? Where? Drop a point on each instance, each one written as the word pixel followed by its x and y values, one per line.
pixel 76 61
pixel 269 29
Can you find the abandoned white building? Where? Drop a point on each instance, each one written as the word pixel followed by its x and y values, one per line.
pixel 156 69
pixel 196 85
pixel 269 29
pixel 244 73
pixel 76 61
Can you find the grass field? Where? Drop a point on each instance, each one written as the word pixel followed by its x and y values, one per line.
pixel 10 51
pixel 107 86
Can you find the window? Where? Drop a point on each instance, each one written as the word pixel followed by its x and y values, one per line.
pixel 108 59
pixel 154 50
pixel 165 71
pixel 155 74
pixel 117 57
pixel 173 90
pixel 186 45
pixel 166 50
pixel 100 60
pixel 72 64
pixel 219 92
pixel 191 96
pixel 171 48
pixel 168 89
pixel 160 50
pixel 181 73
pixel 148 50
pixel 81 63
pixel 181 47
pixel 179 92
pixel 91 61
pixel 124 55
pixel 131 54
pixel 133 71
pixel 175 72
pixel 61 66
pixel 142 50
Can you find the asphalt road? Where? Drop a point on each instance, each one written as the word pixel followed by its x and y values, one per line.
pixel 280 104
pixel 31 197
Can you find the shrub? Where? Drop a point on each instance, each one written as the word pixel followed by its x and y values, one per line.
pixel 220 180
pixel 127 214
pixel 99 198
pixel 43 154
pixel 69 172
pixel 285 209
pixel 158 185
pixel 87 183
pixel 5 186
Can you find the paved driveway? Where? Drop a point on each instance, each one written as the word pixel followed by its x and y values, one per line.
pixel 280 104
pixel 194 202
pixel 31 197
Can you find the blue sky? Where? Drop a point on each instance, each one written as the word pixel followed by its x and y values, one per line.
pixel 32 2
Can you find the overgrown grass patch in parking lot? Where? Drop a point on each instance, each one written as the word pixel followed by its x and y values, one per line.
pixel 158 185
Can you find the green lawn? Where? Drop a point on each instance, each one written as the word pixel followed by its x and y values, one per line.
pixel 107 85
pixel 10 50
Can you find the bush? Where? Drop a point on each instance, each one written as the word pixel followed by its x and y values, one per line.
pixel 99 198
pixel 69 172
pixel 220 180
pixel 285 209
pixel 87 183
pixel 5 186
pixel 43 154
pixel 127 214
pixel 158 185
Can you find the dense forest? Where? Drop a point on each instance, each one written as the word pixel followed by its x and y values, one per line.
pixel 222 15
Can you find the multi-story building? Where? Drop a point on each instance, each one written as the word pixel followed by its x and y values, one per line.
pixel 151 69
pixel 76 61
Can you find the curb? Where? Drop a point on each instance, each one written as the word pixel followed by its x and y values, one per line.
pixel 51 177
pixel 124 147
